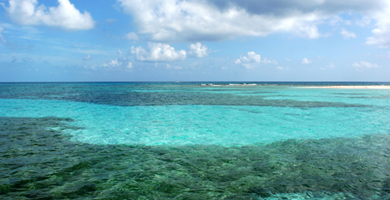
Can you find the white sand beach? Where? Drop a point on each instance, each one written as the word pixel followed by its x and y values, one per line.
pixel 354 86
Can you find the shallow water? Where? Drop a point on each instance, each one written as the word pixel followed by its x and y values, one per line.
pixel 191 141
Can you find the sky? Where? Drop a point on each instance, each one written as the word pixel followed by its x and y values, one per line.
pixel 194 40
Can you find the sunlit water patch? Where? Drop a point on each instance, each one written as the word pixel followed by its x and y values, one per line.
pixel 206 125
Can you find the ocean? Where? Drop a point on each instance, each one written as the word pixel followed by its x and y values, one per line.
pixel 194 140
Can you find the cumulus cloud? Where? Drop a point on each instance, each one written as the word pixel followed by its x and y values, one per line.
pixel 381 34
pixel 306 61
pixel 331 65
pixel 131 36
pixel 252 59
pixel 346 34
pixel 365 64
pixel 158 52
pixel 65 15
pixel 249 61
pixel 201 20
pixel 381 38
pixel 198 50
pixel 1 35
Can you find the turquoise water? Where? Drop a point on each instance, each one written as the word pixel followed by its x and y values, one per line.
pixel 194 140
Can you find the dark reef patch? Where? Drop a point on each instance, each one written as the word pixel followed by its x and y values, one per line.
pixel 38 162
pixel 155 95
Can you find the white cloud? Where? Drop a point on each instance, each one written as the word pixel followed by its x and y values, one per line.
pixel 249 61
pixel 306 61
pixel 119 52
pixel 365 64
pixel 364 21
pixel 65 15
pixel 201 20
pixel 129 65
pixel 1 35
pixel 112 63
pixel 117 64
pixel 381 34
pixel 252 59
pixel 131 36
pixel 198 50
pixel 86 58
pixel 270 61
pixel 335 20
pixel 288 59
pixel 347 34
pixel 173 67
pixel 158 52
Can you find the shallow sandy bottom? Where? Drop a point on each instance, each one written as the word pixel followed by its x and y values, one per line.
pixel 354 86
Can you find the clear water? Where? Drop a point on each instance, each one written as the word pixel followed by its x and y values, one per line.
pixel 194 140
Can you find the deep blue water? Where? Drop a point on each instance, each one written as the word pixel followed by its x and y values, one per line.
pixel 211 140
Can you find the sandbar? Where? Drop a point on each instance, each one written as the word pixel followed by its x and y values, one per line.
pixel 354 86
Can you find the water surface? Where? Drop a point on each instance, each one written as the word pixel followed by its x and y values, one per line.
pixel 193 141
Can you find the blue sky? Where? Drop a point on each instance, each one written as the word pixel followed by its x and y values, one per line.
pixel 194 40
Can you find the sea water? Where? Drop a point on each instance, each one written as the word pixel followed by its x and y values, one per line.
pixel 194 140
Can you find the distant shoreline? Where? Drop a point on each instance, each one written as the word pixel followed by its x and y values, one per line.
pixel 353 86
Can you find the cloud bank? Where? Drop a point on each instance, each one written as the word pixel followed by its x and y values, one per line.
pixel 65 15
pixel 210 20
